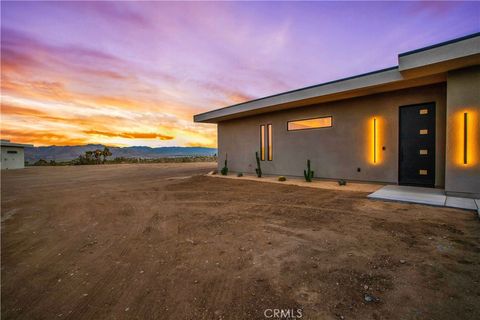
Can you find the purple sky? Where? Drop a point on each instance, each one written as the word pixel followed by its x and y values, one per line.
pixel 134 73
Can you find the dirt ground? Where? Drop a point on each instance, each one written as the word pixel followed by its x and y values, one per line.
pixel 149 242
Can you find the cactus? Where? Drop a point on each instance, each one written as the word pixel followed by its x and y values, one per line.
pixel 224 170
pixel 308 174
pixel 258 170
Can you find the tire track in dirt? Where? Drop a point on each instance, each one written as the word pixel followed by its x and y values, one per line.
pixel 139 246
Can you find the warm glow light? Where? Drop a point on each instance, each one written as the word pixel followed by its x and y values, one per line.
pixel 465 137
pixel 270 142
pixel 374 140
pixel 262 142
pixel 373 137
pixel 314 123
pixel 465 130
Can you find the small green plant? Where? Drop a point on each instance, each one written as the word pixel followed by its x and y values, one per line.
pixel 342 182
pixel 239 174
pixel 258 169
pixel 308 174
pixel 282 178
pixel 224 170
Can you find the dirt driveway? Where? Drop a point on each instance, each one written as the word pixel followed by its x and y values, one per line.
pixel 134 242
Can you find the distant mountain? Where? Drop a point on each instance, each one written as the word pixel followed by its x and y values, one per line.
pixel 66 153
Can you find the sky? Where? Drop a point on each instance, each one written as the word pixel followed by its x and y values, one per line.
pixel 135 73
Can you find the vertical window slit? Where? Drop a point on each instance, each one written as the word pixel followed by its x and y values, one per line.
pixel 262 142
pixel 270 142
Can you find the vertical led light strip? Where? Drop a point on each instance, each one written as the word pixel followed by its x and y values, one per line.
pixel 270 142
pixel 465 138
pixel 262 142
pixel 374 140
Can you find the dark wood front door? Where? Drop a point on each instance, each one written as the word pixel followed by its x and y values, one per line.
pixel 417 145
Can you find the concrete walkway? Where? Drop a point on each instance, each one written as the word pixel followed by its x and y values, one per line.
pixel 431 196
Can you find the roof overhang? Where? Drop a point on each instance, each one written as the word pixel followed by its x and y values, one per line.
pixel 6 143
pixel 455 54
pixel 416 68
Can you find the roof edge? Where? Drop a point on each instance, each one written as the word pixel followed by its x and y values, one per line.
pixel 15 145
pixel 263 102
pixel 303 88
pixel 473 35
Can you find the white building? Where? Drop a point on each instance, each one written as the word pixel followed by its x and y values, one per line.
pixel 13 156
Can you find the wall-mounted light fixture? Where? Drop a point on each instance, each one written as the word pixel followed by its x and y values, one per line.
pixel 465 138
pixel 374 140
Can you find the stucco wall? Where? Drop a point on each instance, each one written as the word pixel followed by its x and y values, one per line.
pixel 338 151
pixel 463 95
pixel 12 160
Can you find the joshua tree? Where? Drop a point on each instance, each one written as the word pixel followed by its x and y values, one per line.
pixel 98 155
pixel 88 156
pixel 106 153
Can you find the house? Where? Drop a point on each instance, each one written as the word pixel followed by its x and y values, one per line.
pixel 13 156
pixel 417 123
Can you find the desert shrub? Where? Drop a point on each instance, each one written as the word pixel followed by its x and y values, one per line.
pixel 41 162
pixel 282 178
pixel 342 182
pixel 163 160
pixel 239 174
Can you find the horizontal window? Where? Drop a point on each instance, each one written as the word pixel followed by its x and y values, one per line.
pixel 314 123
pixel 10 151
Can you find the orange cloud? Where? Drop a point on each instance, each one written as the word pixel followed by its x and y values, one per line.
pixel 117 102
pixel 80 95
pixel 238 97
pixel 130 135
pixel 14 110
pixel 20 111
pixel 42 137
pixel 55 91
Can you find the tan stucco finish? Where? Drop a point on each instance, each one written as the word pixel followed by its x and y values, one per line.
pixel 463 95
pixel 335 152
pixel 447 74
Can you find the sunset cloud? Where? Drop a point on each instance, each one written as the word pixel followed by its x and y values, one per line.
pixel 135 73
pixel 44 137
pixel 130 135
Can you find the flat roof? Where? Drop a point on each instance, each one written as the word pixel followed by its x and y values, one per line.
pixel 441 44
pixel 7 143
pixel 418 67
